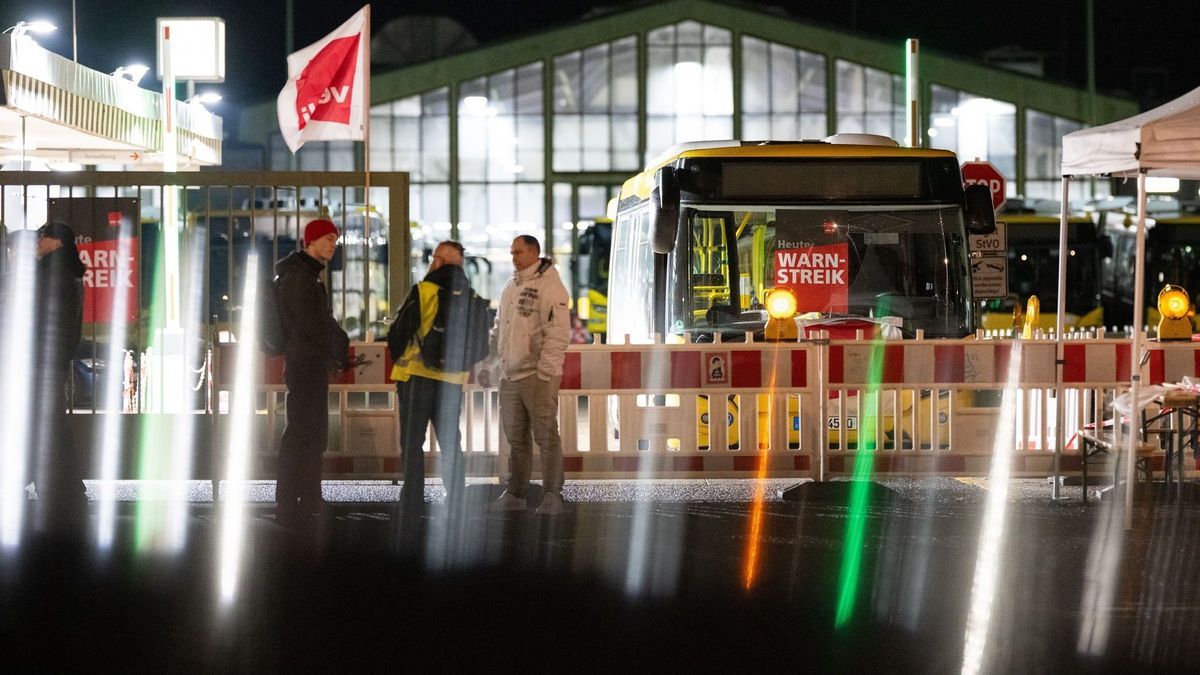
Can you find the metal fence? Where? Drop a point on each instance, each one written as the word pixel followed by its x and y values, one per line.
pixel 221 218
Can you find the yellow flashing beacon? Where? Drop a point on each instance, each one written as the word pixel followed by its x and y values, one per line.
pixel 1174 306
pixel 781 308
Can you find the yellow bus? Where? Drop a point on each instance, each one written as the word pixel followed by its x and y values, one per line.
pixel 855 226
pixel 594 245
pixel 1033 270
pixel 1172 257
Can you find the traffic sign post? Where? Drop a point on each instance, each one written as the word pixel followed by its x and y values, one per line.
pixel 985 173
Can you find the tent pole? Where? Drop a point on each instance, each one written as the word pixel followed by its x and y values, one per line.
pixel 1059 408
pixel 1135 357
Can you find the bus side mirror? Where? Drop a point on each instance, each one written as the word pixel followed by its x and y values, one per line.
pixel 664 200
pixel 981 217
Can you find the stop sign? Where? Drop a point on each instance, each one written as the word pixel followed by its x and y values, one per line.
pixel 984 173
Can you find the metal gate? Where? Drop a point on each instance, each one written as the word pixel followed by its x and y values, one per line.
pixel 221 217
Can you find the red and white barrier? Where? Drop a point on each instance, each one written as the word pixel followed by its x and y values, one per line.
pixel 778 397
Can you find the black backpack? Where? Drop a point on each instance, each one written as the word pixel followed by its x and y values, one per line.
pixel 272 334
pixel 458 338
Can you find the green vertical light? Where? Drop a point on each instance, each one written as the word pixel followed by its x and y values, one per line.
pixel 863 464
pixel 150 513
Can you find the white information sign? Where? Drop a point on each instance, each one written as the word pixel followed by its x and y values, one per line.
pixel 995 243
pixel 197 48
pixel 989 277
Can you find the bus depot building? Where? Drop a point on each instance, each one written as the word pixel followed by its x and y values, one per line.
pixel 536 134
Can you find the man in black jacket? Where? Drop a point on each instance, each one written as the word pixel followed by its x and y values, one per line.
pixel 56 466
pixel 315 345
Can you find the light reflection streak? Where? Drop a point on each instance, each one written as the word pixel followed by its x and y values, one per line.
pixel 241 415
pixel 652 564
pixel 113 398
pixel 760 477
pixel 148 510
pixel 1103 566
pixel 16 359
pixel 166 441
pixel 992 533
pixel 183 441
pixel 864 462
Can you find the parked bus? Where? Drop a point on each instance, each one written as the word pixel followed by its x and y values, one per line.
pixel 1033 270
pixel 857 227
pixel 595 243
pixel 1172 257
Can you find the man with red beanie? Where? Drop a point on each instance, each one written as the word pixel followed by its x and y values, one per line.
pixel 314 346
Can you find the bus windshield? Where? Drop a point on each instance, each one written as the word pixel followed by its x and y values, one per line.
pixel 861 261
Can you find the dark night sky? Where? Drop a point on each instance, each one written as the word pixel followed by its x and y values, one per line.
pixel 1144 48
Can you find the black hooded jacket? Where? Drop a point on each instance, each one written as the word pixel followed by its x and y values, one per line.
pixel 59 307
pixel 408 319
pixel 306 311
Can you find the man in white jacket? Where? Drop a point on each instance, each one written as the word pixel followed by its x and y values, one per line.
pixel 526 352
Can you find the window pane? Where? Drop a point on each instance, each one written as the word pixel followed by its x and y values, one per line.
pixel 757 127
pixel 625 75
pixel 718 81
pixel 689 33
pixel 812 83
pixel 784 92
pixel 850 87
pixel 689 88
pixel 529 89
pixel 606 77
pixel 755 71
pixel 595 79
pixel 566 83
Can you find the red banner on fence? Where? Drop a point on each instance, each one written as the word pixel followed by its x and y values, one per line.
pixel 106 236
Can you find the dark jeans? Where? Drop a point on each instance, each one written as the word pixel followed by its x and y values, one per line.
pixel 421 401
pixel 56 467
pixel 306 436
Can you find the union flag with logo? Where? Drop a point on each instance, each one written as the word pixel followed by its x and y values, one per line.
pixel 325 96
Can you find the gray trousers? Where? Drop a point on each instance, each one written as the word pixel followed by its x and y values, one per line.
pixel 529 412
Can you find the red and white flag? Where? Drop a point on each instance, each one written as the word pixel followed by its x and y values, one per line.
pixel 325 95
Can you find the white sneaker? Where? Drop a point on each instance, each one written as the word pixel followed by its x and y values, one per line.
pixel 552 505
pixel 508 502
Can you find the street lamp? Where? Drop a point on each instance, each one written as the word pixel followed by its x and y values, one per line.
pixel 133 73
pixel 39 27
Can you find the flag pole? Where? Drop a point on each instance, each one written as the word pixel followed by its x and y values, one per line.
pixel 366 316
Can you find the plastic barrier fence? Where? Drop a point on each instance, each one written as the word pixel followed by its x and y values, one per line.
pixel 721 409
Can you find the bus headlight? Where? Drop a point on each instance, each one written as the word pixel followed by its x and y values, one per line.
pixel 1173 307
pixel 781 307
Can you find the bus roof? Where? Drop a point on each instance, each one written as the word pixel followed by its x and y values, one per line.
pixel 642 184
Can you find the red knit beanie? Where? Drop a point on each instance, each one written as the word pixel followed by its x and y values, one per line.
pixel 317 229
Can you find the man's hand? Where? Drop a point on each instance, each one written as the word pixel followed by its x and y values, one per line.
pixel 360 360
pixel 484 377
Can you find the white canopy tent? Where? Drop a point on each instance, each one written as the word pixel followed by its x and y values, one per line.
pixel 1164 141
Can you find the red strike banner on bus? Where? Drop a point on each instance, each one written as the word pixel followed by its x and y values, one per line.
pixel 818 275
pixel 108 247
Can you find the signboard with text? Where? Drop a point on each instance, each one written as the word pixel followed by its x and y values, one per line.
pixel 986 174
pixel 106 236
pixel 811 259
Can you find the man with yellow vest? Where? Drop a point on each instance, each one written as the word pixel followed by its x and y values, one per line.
pixel 425 393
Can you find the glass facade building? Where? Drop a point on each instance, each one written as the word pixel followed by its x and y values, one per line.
pixel 536 135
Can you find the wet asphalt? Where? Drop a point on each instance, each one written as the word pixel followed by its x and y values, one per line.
pixel 637 574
